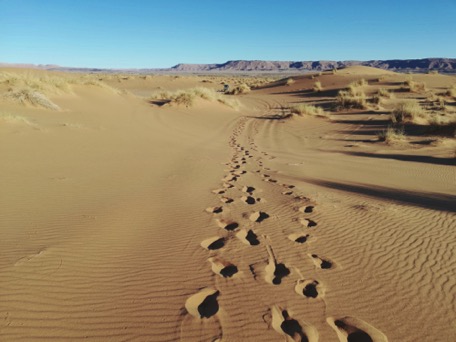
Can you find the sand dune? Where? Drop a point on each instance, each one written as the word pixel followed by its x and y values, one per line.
pixel 122 220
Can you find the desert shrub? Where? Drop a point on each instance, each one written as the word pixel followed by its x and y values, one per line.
pixel 187 97
pixel 305 109
pixel 290 81
pixel 451 91
pixel 359 83
pixel 353 97
pixel 27 96
pixel 382 92
pixel 239 89
pixel 414 87
pixel 317 86
pixel 406 111
pixel 391 135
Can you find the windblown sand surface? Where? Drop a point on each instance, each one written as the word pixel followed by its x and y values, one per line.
pixel 122 220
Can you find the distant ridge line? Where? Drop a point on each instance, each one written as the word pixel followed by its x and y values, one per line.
pixel 443 65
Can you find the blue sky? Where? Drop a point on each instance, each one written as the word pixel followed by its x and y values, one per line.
pixel 140 33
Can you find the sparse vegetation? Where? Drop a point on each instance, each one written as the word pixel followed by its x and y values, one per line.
pixel 414 87
pixel 451 91
pixel 407 111
pixel 317 86
pixel 27 96
pixel 391 135
pixel 382 92
pixel 188 97
pixel 359 83
pixel 354 97
pixel 239 89
pixel 305 109
pixel 290 81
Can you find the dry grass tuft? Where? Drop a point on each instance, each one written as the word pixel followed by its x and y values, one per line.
pixel 290 81
pixel 382 92
pixel 317 86
pixel 414 87
pixel 407 111
pixel 391 135
pixel 239 89
pixel 188 97
pixel 27 96
pixel 354 97
pixel 305 109
pixel 451 91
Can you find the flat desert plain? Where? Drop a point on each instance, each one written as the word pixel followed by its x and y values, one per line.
pixel 318 207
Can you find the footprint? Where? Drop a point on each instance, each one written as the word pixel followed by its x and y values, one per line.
pixel 227 186
pixel 288 192
pixel 248 237
pixel 203 304
pixel 308 223
pixel 248 199
pixel 214 210
pixel 223 268
pixel 297 237
pixel 307 209
pixel 275 271
pixel 258 216
pixel 322 263
pixel 350 329
pixel 309 288
pixel 213 243
pixel 290 328
pixel 227 224
pixel 248 189
pixel 229 178
pixel 226 199
pixel 219 191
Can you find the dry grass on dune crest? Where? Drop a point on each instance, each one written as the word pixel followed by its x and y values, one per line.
pixel 305 109
pixel 188 97
pixel 34 89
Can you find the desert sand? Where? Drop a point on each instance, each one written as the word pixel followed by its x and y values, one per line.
pixel 127 218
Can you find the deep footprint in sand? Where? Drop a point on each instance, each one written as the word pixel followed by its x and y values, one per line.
pixel 248 237
pixel 223 268
pixel 298 238
pixel 308 223
pixel 290 328
pixel 350 329
pixel 248 189
pixel 214 210
pixel 248 199
pixel 258 216
pixel 307 209
pixel 309 288
pixel 227 224
pixel 321 263
pixel 226 199
pixel 219 191
pixel 288 192
pixel 275 271
pixel 203 304
pixel 213 243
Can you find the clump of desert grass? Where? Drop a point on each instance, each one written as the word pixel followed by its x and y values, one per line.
pixel 451 92
pixel 359 83
pixel 305 109
pixel 239 89
pixel 414 87
pixel 317 87
pixel 407 111
pixel 290 81
pixel 353 97
pixel 382 92
pixel 391 135
pixel 188 97
pixel 27 96
pixel 15 119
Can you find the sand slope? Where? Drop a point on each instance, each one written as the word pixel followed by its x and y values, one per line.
pixel 123 221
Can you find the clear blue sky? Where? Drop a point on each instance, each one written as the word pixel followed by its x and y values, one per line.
pixel 162 33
